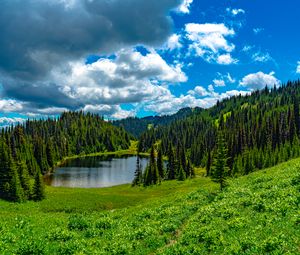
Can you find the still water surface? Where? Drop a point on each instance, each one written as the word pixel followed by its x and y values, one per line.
pixel 95 172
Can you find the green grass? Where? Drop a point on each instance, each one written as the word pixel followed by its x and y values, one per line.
pixel 256 214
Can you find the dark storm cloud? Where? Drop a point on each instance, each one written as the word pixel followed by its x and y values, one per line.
pixel 37 34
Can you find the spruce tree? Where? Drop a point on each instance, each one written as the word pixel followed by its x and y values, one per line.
pixel 160 164
pixel 138 175
pixel 191 169
pixel 38 188
pixel 171 165
pixel 220 168
pixel 151 176
pixel 24 178
pixel 181 174
pixel 208 163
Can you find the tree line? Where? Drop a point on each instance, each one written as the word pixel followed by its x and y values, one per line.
pixel 178 167
pixel 259 130
pixel 30 150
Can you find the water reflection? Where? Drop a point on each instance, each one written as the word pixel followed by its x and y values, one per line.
pixel 94 172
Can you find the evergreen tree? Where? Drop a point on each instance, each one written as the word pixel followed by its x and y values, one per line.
pixel 220 168
pixel 181 174
pixel 24 178
pixel 171 165
pixel 138 175
pixel 191 169
pixel 38 188
pixel 160 164
pixel 151 176
pixel 208 163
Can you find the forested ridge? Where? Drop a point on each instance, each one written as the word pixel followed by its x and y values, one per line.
pixel 260 130
pixel 136 126
pixel 29 150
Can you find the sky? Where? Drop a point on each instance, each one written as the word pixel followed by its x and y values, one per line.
pixel 122 58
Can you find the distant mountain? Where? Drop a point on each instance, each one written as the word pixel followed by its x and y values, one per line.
pixel 136 126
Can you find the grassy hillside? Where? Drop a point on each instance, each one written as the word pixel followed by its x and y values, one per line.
pixel 256 214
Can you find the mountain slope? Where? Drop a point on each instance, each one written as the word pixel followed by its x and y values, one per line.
pixel 261 130
pixel 256 214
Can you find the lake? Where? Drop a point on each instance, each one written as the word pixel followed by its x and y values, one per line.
pixel 95 172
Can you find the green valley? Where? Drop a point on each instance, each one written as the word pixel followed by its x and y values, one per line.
pixel 255 214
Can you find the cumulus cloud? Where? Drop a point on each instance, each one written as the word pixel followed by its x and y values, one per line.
pixel 185 6
pixel 260 80
pixel 219 83
pixel 198 97
pixel 199 91
pixel 102 86
pixel 10 105
pixel 226 59
pixel 112 111
pixel 44 46
pixel 209 41
pixel 174 42
pixel 128 78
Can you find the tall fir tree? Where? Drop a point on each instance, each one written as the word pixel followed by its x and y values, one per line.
pixel 220 168
pixel 138 175
pixel 160 164
pixel 38 192
pixel 151 176
pixel 171 165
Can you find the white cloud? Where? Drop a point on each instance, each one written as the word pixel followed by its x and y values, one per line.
pixel 112 111
pixel 10 105
pixel 219 83
pixel 209 42
pixel 211 88
pixel 185 6
pixel 128 78
pixel 198 91
pixel 174 42
pixel 170 104
pixel 261 57
pixel 226 59
pixel 5 121
pixel 260 80
pixel 298 67
pixel 235 12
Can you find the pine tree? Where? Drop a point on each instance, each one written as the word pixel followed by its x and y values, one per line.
pixel 138 175
pixel 191 169
pixel 220 168
pixel 160 164
pixel 181 174
pixel 151 176
pixel 171 165
pixel 10 186
pixel 208 163
pixel 38 188
pixel 24 178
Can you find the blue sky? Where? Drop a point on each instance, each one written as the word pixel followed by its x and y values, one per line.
pixel 123 58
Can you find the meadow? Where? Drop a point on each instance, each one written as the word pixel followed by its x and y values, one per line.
pixel 255 214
